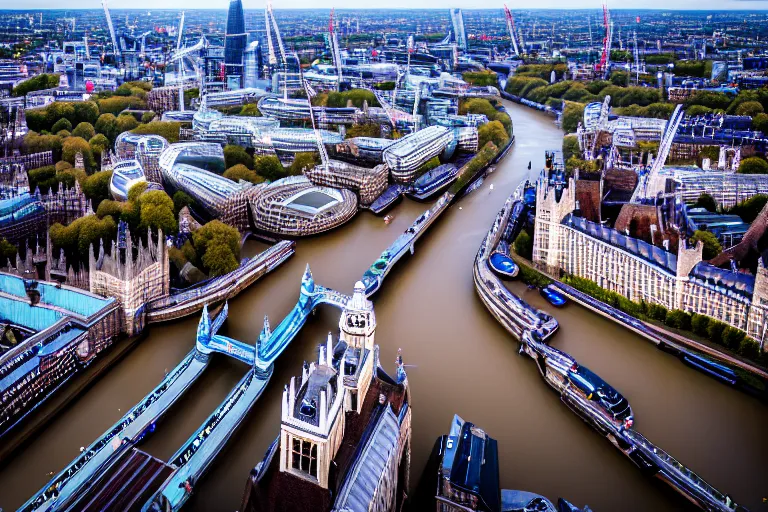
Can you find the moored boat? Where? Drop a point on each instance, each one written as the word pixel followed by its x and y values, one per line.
pixel 433 182
pixel 387 199
pixel 553 296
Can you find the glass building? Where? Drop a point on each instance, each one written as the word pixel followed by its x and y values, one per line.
pixel 234 45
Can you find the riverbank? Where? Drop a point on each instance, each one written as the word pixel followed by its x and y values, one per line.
pixel 64 394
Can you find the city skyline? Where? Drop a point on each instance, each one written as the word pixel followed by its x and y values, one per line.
pixel 681 5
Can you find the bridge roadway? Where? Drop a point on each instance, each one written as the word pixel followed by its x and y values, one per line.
pixel 374 276
pixel 556 366
pixel 203 446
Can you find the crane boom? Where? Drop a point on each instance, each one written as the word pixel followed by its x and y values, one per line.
pixel 335 49
pixel 181 31
pixel 115 47
pixel 511 29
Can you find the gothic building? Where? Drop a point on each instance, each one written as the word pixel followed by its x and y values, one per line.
pixel 132 273
pixel 564 241
pixel 345 429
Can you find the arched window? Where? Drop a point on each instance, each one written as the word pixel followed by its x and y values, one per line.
pixel 304 456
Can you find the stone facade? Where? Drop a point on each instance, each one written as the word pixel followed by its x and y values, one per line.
pixel 641 272
pixel 132 280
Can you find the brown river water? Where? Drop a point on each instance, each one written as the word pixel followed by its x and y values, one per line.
pixel 461 360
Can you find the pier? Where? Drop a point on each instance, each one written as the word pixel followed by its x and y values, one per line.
pixel 586 394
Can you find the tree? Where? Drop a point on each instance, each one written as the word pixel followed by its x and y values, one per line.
pixel 707 202
pixel 493 131
pixel 715 331
pixel 78 236
pixel 749 348
pixel 732 338
pixel 111 208
pixel 84 130
pixel 240 172
pixel 167 129
pixel 157 212
pixel 99 144
pixel 699 324
pixel 570 147
pixel 61 165
pixel 712 246
pixel 85 112
pixel 236 155
pixel 753 165
pixel 678 319
pixel 43 178
pixel 750 108
pixel 480 78
pixel 36 143
pixel 96 187
pixel 572 116
pixel 74 145
pixel 364 130
pixel 477 106
pixel 147 117
pixel 760 123
pixel 749 209
pixel 61 124
pixel 125 123
pixel 697 110
pixel 218 247
pixel 36 83
pixel 7 251
pixel 251 109
pixel 302 162
pixel 269 167
pixel 107 126
pixel 117 104
pixel 182 199
pixel 524 245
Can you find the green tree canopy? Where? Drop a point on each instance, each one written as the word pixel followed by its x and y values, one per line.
pixel 107 126
pixel 36 143
pixel 84 130
pixel 480 78
pixel 570 147
pixel 218 247
pixel 125 123
pixel 74 145
pixel 7 251
pixel 712 246
pixel 167 129
pixel 707 202
pixel 493 131
pixel 364 130
pixel 182 199
pixel 234 155
pixel 250 110
pixel 749 209
pixel 302 162
pixel 750 108
pixel 61 124
pixel 85 112
pixel 269 167
pixel 96 187
pixel 78 236
pixel 36 83
pixel 157 212
pixel 753 165
pixel 240 172
pixel 572 116
pixel 146 117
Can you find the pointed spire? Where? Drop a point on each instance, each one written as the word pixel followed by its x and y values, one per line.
pixel 304 373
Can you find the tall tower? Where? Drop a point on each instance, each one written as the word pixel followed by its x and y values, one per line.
pixel 234 43
pixel 555 198
pixel 460 35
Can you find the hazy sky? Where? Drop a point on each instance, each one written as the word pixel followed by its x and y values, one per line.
pixel 413 4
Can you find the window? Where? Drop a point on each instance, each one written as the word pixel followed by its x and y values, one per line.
pixel 304 456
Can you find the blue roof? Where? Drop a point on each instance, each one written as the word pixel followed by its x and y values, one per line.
pixel 734 284
pixel 17 207
pixel 19 372
pixel 652 254
pixel 30 317
pixel 67 299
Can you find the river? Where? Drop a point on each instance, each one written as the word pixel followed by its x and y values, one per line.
pixel 461 361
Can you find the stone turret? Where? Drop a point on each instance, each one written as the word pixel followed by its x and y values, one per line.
pixel 555 199
pixel 688 257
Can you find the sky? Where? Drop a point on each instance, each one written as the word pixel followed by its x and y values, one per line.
pixel 409 4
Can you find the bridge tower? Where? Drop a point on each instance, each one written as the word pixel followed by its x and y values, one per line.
pixel 312 422
pixel 357 327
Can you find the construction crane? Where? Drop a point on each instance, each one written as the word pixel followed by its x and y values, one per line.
pixel 652 183
pixel 181 31
pixel 605 58
pixel 410 51
pixel 636 58
pixel 511 29
pixel 115 47
pixel 318 136
pixel 269 18
pixel 334 49
pixel 143 38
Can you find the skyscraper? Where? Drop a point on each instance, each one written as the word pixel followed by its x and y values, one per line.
pixel 457 20
pixel 234 44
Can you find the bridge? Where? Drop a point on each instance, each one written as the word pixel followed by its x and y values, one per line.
pixel 374 276
pixel 194 457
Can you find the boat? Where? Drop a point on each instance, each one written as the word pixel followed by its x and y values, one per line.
pixel 710 367
pixel 388 219
pixel 603 394
pixel 553 296
pixel 501 263
pixel 387 199
pixel 433 182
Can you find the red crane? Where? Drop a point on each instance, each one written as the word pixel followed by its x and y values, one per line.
pixel 606 40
